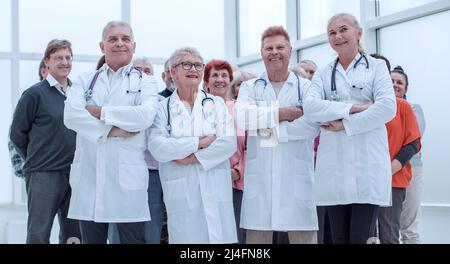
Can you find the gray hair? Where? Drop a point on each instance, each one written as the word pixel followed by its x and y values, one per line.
pixel 354 21
pixel 308 62
pixel 348 15
pixel 175 58
pixel 143 59
pixel 166 65
pixel 116 24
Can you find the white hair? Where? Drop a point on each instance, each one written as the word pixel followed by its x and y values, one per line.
pixel 175 58
pixel 116 24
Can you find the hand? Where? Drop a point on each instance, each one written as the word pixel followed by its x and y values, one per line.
pixel 396 166
pixel 94 110
pixel 235 175
pixel 204 142
pixel 358 108
pixel 289 113
pixel 118 132
pixel 191 159
pixel 336 125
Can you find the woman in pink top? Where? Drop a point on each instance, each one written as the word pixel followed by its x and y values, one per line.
pixel 217 81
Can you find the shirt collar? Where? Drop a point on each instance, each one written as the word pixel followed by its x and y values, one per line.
pixel 291 78
pixel 53 82
pixel 122 71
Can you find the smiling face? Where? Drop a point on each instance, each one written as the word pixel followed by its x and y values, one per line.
pixel 399 82
pixel 219 82
pixel 344 35
pixel 187 78
pixel 59 64
pixel 276 53
pixel 118 46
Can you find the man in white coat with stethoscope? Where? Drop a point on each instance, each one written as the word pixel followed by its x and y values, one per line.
pixel 193 137
pixel 110 109
pixel 279 170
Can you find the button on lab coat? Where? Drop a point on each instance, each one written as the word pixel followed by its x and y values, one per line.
pixel 109 176
pixel 198 197
pixel 278 176
pixel 353 166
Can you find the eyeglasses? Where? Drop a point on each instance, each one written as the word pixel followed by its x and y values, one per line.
pixel 61 58
pixel 186 65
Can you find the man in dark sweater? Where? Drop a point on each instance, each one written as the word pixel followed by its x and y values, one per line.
pixel 47 146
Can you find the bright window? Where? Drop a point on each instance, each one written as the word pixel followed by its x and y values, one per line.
pixel 314 15
pixel 254 17
pixel 5 25
pixel 161 27
pixel 6 186
pixel 391 6
pixel 79 21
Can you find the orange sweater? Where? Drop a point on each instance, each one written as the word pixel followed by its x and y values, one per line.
pixel 402 130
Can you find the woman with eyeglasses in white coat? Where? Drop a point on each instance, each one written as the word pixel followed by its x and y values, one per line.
pixel 193 137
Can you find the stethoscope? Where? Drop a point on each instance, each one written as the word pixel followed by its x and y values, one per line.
pixel 334 94
pixel 205 116
pixel 264 83
pixel 88 93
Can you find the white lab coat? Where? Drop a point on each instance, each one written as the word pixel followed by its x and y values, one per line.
pixel 353 166
pixel 198 197
pixel 109 176
pixel 278 178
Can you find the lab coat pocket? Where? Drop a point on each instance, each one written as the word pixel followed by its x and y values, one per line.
pixel 303 181
pixel 176 195
pixel 222 185
pixel 133 177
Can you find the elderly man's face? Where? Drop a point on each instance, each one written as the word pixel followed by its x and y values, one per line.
pixel 144 68
pixel 309 70
pixel 118 46
pixel 276 53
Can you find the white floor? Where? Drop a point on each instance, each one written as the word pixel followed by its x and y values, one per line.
pixel 434 225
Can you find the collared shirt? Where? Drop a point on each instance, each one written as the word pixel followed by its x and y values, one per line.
pixel 115 75
pixel 54 83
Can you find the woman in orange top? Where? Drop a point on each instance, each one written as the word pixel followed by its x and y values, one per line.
pixel 404 142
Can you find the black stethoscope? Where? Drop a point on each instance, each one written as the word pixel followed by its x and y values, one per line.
pixel 89 91
pixel 264 82
pixel 334 94
pixel 204 100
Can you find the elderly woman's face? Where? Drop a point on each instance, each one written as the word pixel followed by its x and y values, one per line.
pixel 188 71
pixel 343 35
pixel 219 82
pixel 399 82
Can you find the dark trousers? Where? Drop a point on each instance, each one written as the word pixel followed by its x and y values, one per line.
pixel 324 235
pixel 352 223
pixel 49 195
pixel 97 233
pixel 237 202
pixel 389 218
pixel 154 227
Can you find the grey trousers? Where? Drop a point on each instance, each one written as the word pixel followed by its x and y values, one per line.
pixel 295 237
pixel 389 218
pixel 409 219
pixel 49 195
